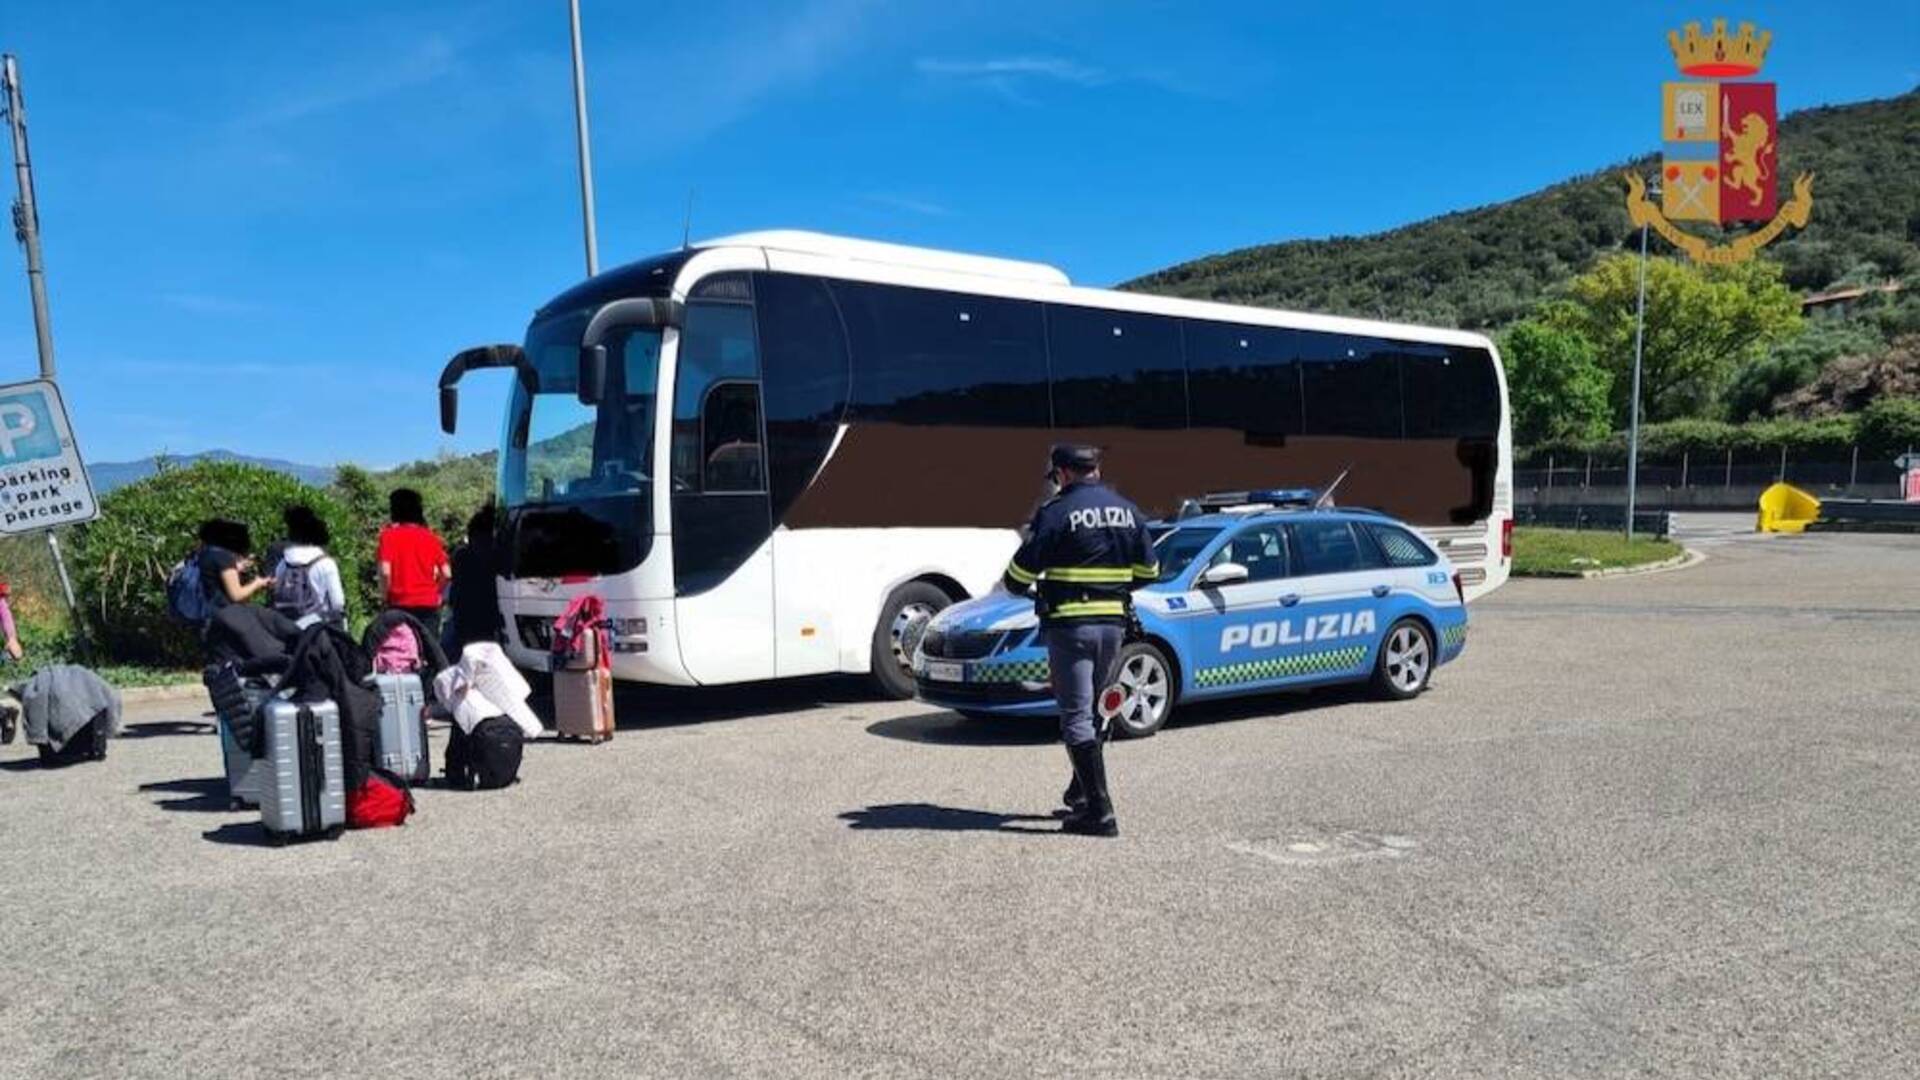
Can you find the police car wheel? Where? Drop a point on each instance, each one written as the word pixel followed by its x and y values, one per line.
pixel 1144 681
pixel 903 619
pixel 1405 662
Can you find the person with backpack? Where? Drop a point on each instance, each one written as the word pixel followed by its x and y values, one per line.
pixel 306 581
pixel 223 563
pixel 413 561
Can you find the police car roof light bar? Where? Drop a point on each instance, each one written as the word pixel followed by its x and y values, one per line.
pixel 1262 498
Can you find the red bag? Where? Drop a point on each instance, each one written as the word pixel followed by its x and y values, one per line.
pixel 580 636
pixel 378 803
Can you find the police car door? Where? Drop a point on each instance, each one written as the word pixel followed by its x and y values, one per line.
pixel 1342 588
pixel 1241 638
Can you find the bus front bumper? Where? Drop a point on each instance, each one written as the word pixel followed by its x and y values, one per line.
pixel 644 648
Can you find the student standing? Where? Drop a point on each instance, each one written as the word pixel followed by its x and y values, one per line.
pixel 306 580
pixel 226 549
pixel 474 596
pixel 413 561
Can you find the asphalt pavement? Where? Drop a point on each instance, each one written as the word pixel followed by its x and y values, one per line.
pixel 1661 825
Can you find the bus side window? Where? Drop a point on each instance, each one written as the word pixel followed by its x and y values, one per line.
pixel 716 401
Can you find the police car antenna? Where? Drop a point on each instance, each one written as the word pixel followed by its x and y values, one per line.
pixel 1326 497
pixel 686 223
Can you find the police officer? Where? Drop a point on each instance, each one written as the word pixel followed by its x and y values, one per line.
pixel 1085 553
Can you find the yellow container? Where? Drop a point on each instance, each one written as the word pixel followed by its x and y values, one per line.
pixel 1786 509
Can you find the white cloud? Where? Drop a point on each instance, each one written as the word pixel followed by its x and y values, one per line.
pixel 702 90
pixel 1014 67
pixel 1014 77
pixel 357 83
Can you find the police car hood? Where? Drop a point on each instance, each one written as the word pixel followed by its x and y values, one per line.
pixel 995 611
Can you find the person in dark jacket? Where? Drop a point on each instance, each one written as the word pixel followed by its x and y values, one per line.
pixel 227 571
pixel 473 595
pixel 1085 552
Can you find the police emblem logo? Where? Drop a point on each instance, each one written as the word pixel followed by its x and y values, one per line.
pixel 1720 147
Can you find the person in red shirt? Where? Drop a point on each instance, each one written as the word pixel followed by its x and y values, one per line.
pixel 413 561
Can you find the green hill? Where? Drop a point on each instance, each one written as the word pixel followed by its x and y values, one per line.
pixel 1485 267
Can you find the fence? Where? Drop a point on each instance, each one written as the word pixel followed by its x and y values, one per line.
pixel 1820 473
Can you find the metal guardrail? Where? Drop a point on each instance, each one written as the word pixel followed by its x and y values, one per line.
pixel 1840 515
pixel 1645 522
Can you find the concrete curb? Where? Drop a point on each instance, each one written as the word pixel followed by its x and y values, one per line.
pixel 148 695
pixel 1686 558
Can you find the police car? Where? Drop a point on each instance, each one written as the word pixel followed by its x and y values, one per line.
pixel 1258 591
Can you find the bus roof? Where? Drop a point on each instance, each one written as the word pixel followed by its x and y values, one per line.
pixel 900 264
pixel 802 242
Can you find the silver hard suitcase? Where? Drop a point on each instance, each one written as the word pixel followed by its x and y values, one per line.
pixel 403 727
pixel 303 790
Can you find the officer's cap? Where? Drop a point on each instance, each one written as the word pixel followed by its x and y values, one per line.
pixel 1075 457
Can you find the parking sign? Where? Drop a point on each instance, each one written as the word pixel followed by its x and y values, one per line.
pixel 43 482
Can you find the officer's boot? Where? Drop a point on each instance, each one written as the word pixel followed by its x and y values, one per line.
pixel 1075 796
pixel 1096 818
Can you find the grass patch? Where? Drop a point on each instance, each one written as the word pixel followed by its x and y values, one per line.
pixel 1568 552
pixel 47 640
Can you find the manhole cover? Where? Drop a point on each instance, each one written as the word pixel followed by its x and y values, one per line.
pixel 1312 846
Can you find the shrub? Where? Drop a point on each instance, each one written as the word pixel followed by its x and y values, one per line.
pixel 121 560
pixel 1891 426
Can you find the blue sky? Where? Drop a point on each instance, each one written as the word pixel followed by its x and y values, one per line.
pixel 267 225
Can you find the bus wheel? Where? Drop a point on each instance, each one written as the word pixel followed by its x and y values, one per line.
pixel 1405 661
pixel 903 618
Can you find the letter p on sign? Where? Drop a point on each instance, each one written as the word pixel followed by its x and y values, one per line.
pixel 16 423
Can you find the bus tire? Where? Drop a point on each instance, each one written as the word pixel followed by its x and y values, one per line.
pixel 1404 664
pixel 903 618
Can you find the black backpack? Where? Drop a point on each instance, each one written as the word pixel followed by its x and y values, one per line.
pixel 487 757
pixel 87 744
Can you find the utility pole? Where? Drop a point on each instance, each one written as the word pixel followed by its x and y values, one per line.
pixel 585 144
pixel 26 217
pixel 26 228
pixel 1633 414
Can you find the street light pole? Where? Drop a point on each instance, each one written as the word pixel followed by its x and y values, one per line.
pixel 586 147
pixel 26 216
pixel 1633 408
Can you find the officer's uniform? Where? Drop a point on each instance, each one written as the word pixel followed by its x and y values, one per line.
pixel 1086 551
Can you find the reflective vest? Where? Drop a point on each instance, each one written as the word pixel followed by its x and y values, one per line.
pixel 1086 551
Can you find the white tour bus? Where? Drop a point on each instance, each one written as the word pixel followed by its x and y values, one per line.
pixel 778 453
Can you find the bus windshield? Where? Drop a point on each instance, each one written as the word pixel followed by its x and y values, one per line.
pixel 560 451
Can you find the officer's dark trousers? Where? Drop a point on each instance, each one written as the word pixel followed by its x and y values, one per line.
pixel 1081 659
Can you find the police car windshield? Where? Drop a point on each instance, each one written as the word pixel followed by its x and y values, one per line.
pixel 1176 548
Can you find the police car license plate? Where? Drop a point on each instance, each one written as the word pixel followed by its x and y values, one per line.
pixel 944 672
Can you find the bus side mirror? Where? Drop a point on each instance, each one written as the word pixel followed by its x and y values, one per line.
pixel 593 374
pixel 483 356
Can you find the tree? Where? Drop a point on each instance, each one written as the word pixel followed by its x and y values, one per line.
pixel 1701 325
pixel 1891 425
pixel 1794 362
pixel 1555 388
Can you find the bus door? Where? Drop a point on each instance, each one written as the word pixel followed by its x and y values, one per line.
pixel 721 517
